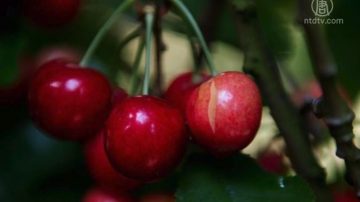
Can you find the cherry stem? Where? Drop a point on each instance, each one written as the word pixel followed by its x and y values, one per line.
pixel 190 19
pixel 149 22
pixel 134 34
pixel 134 75
pixel 102 31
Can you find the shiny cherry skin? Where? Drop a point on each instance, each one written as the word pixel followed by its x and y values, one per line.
pixel 158 197
pixel 99 194
pixel 69 102
pixel 101 169
pixel 145 138
pixel 181 88
pixel 51 13
pixel 224 113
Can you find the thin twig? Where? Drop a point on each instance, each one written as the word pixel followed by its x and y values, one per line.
pixel 160 48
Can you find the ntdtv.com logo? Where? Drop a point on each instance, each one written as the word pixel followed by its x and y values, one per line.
pixel 322 9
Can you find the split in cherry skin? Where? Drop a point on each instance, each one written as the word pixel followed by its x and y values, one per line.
pixel 51 13
pixel 101 169
pixel 69 102
pixel 145 138
pixel 180 89
pixel 224 113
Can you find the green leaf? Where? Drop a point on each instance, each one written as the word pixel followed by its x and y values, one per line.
pixel 237 179
pixel 10 50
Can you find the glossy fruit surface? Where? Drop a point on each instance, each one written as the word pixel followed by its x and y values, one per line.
pixel 69 102
pixel 181 88
pixel 101 169
pixel 51 13
pixel 145 137
pixel 224 113
pixel 104 195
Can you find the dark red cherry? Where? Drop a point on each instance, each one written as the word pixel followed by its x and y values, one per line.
pixel 224 113
pixel 180 89
pixel 119 95
pixel 106 195
pixel 51 13
pixel 69 102
pixel 145 137
pixel 273 162
pixel 345 195
pixel 101 169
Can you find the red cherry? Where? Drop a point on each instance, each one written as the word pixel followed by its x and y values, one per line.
pixel 272 162
pixel 119 95
pixel 180 89
pixel 145 137
pixel 158 197
pixel 105 195
pixel 69 102
pixel 224 113
pixel 100 167
pixel 51 13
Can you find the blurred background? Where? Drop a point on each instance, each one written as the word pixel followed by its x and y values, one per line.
pixel 34 167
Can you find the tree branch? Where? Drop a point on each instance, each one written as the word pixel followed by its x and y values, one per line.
pixel 263 66
pixel 337 115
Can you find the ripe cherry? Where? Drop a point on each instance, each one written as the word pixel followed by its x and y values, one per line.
pixel 272 162
pixel 100 167
pixel 119 95
pixel 180 89
pixel 51 13
pixel 145 137
pixel 224 113
pixel 69 102
pixel 106 195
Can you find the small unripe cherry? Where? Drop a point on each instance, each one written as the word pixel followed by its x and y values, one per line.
pixel 69 102
pixel 101 169
pixel 224 113
pixel 145 138
pixel 100 194
pixel 181 87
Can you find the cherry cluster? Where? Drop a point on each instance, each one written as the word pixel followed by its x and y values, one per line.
pixel 137 139
pixel 131 140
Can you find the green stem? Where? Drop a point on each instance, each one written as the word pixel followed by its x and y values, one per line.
pixel 134 75
pixel 134 34
pixel 190 19
pixel 149 22
pixel 103 30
